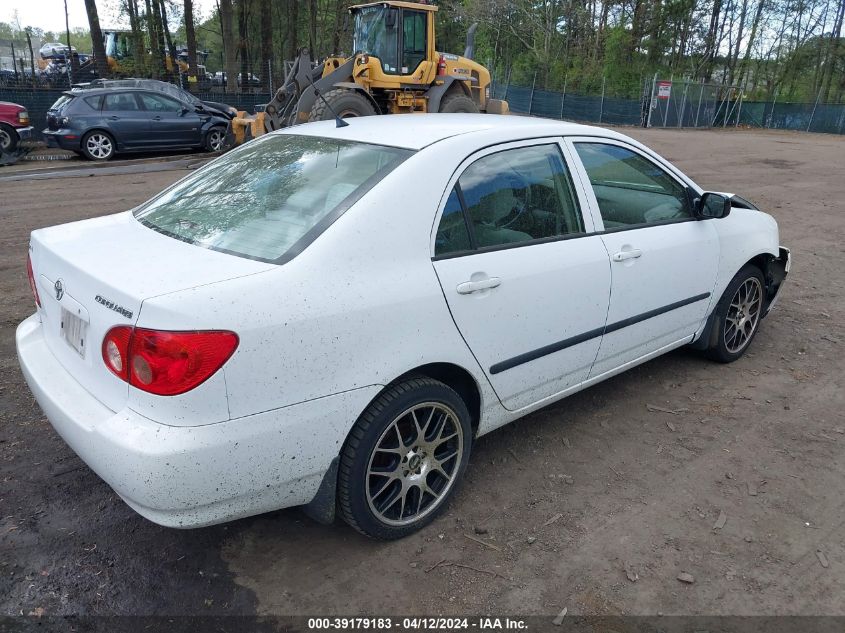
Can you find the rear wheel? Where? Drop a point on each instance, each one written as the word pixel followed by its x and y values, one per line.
pixel 98 145
pixel 8 138
pixel 738 315
pixel 403 458
pixel 458 103
pixel 345 103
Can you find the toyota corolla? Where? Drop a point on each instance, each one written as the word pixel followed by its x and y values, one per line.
pixel 331 316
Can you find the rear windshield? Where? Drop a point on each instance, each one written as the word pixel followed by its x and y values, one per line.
pixel 61 102
pixel 268 199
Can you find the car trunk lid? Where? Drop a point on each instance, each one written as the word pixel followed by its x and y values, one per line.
pixel 95 274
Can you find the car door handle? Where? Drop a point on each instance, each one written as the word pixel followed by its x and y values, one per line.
pixel 114 118
pixel 621 256
pixel 468 287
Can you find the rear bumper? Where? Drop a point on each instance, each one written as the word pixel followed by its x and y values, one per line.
pixel 63 139
pixel 192 476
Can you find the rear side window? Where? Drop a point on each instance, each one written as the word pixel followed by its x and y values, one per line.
pixel 268 199
pixel 95 102
pixel 120 101
pixel 513 196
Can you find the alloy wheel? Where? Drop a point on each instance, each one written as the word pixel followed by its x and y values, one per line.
pixel 414 464
pixel 743 315
pixel 5 139
pixel 99 146
pixel 215 140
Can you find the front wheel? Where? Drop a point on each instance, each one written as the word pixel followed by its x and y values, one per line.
pixel 738 315
pixel 98 145
pixel 214 139
pixel 403 458
pixel 458 102
pixel 8 138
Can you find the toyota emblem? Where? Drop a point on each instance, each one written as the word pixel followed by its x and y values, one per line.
pixel 60 291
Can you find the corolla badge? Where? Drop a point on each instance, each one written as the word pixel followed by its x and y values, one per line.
pixel 60 290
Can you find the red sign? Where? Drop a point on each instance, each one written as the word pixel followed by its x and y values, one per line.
pixel 664 89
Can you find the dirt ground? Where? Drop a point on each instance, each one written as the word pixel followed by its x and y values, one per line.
pixel 595 504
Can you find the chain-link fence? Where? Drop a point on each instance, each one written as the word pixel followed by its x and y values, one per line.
pixel 571 106
pixel 689 104
pixel 667 103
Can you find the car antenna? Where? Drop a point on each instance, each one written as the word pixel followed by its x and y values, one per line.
pixel 338 121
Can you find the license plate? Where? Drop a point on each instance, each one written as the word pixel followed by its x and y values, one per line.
pixel 74 331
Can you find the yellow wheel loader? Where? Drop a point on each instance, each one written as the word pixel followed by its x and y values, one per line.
pixel 394 69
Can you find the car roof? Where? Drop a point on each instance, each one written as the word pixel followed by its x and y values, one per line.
pixel 416 131
pixel 86 92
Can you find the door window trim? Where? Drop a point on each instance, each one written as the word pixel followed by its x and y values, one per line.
pixel 689 186
pixel 577 189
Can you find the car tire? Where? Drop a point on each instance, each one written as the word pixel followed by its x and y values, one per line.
pixel 9 138
pixel 458 103
pixel 215 139
pixel 738 315
pixel 345 103
pixel 404 458
pixel 98 145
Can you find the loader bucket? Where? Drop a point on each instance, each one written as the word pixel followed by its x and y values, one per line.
pixel 243 128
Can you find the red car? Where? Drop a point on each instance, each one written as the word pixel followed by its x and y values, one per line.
pixel 14 125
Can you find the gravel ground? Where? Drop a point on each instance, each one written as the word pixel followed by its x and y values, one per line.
pixel 596 504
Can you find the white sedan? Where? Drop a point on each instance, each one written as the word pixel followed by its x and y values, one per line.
pixel 330 317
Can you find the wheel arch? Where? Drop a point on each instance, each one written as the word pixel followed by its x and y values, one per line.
pixel 117 144
pixel 458 379
pixel 766 262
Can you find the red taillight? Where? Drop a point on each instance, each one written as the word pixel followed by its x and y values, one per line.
pixel 166 363
pixel 31 276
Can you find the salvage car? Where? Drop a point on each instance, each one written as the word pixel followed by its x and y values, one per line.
pixel 331 316
pixel 212 107
pixel 100 123
pixel 14 126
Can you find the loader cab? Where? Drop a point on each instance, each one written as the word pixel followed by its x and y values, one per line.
pixel 399 34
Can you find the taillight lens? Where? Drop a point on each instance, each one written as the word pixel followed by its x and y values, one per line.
pixel 166 363
pixel 31 276
pixel 116 351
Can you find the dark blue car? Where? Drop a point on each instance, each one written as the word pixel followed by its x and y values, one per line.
pixel 102 122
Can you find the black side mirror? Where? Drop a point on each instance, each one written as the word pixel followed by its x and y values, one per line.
pixel 713 205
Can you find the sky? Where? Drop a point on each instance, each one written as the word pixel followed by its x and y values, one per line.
pixel 50 14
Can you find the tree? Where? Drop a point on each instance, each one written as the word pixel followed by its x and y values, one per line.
pixel 191 36
pixel 226 24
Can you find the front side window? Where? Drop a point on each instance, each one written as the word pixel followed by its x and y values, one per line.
pixel 159 103
pixel 120 102
pixel 512 196
pixel 271 195
pixel 413 40
pixel 630 189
